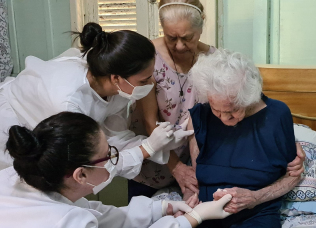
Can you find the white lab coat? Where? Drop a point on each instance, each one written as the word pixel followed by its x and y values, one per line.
pixel 24 206
pixel 46 88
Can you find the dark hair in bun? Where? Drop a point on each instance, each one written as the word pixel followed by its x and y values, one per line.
pixel 87 36
pixel 123 52
pixel 56 147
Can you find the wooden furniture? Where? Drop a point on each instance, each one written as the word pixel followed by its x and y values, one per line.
pixel 295 86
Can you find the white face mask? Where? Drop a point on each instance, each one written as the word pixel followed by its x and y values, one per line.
pixel 138 92
pixel 112 171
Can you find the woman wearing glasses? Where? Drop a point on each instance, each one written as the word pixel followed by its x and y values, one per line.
pixel 100 81
pixel 65 158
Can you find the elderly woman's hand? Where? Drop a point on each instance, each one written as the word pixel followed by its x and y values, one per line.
pixel 296 168
pixel 187 194
pixel 193 201
pixel 185 176
pixel 242 199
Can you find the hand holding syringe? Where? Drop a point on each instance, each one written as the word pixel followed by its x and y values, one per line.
pixel 180 135
pixel 175 126
pixel 180 131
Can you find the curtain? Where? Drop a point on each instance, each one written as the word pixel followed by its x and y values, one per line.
pixel 6 64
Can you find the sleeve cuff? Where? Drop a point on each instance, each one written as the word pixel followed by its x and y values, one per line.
pixel 130 163
pixel 138 155
pixel 183 222
pixel 157 210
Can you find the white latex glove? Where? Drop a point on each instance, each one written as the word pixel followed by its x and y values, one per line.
pixel 159 138
pixel 180 136
pixel 176 206
pixel 211 210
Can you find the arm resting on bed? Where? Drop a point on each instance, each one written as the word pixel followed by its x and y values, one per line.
pixel 247 199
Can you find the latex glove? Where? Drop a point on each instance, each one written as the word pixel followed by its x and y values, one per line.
pixel 176 206
pixel 159 138
pixel 211 210
pixel 296 168
pixel 180 136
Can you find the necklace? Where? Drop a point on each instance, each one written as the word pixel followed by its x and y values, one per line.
pixel 181 86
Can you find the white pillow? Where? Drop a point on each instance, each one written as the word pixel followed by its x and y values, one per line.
pixel 306 189
pixel 304 134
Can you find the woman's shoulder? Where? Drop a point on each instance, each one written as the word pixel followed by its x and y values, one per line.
pixel 161 47
pixel 159 44
pixel 162 58
pixel 199 109
pixel 276 106
pixel 205 48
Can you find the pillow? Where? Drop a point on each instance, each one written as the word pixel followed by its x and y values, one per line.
pixel 306 189
pixel 297 208
pixel 302 221
pixel 304 133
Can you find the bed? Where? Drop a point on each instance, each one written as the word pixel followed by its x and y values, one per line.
pixel 296 86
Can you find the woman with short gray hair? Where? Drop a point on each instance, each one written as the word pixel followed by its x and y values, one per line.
pixel 176 52
pixel 243 141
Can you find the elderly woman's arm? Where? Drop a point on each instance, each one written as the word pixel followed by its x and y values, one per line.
pixel 247 199
pixel 194 149
pixel 194 152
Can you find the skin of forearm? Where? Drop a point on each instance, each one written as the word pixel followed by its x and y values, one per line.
pixel 145 154
pixel 173 161
pixel 191 220
pixel 150 125
pixel 194 150
pixel 187 194
pixel 149 107
pixel 277 189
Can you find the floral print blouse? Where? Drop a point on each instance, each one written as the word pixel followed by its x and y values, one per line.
pixel 173 107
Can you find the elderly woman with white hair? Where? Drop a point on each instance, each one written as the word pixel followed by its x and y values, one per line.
pixel 243 141
pixel 176 52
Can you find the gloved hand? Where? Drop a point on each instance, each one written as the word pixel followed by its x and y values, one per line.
pixel 211 210
pixel 159 138
pixel 180 136
pixel 176 206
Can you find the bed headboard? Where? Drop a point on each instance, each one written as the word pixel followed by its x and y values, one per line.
pixel 295 86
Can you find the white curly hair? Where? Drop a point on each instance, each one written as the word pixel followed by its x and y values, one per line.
pixel 228 76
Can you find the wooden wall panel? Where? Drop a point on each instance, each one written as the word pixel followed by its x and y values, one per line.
pixel 310 123
pixel 289 79
pixel 299 103
pixel 295 86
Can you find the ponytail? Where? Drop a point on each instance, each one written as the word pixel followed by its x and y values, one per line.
pixel 123 52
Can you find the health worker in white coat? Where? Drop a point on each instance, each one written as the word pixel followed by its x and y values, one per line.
pixel 65 158
pixel 111 70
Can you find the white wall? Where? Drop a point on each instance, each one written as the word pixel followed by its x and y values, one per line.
pixel 270 31
pixel 37 27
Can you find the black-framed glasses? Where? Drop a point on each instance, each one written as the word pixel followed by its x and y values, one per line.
pixel 113 156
